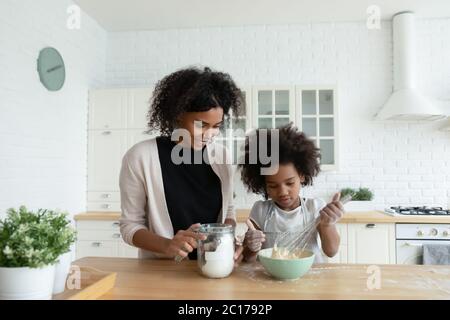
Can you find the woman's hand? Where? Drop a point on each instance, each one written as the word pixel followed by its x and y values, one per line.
pixel 332 212
pixel 184 242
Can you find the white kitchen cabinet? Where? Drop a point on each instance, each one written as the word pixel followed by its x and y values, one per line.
pixel 96 248
pixel 274 106
pixel 108 109
pixel 371 243
pixel 138 107
pixel 127 251
pixel 342 254
pixel 106 149
pixel 317 116
pixel 102 239
pixel 137 135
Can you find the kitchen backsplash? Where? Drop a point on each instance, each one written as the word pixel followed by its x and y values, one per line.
pixel 404 163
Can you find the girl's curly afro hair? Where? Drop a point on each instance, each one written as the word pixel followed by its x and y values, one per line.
pixel 191 90
pixel 294 147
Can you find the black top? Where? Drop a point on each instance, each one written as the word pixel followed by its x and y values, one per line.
pixel 193 191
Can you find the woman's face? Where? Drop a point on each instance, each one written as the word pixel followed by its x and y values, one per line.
pixel 202 126
pixel 284 186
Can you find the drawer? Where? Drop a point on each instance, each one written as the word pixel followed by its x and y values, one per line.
pixel 94 196
pixel 84 234
pixel 111 226
pixel 127 251
pixel 96 249
pixel 105 206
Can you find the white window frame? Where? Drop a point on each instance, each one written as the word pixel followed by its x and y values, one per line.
pixel 335 116
pixel 255 113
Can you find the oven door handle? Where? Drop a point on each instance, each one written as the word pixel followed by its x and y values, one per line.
pixel 408 244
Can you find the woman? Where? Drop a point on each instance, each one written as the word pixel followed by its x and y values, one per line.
pixel 171 184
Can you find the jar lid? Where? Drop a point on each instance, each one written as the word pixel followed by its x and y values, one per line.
pixel 216 228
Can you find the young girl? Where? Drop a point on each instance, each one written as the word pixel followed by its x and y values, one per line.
pixel 285 209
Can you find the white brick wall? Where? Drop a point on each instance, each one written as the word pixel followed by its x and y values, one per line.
pixel 403 162
pixel 43 135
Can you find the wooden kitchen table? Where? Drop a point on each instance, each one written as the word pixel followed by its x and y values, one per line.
pixel 167 279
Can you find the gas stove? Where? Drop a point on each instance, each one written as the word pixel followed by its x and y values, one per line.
pixel 418 211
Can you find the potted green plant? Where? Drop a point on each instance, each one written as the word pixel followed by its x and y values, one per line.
pixel 31 244
pixel 361 199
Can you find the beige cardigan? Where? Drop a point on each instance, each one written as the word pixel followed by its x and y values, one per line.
pixel 143 202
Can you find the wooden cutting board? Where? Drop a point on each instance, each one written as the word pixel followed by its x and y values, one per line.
pixel 87 283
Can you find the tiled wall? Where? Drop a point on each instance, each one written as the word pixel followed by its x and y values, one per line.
pixel 43 135
pixel 403 163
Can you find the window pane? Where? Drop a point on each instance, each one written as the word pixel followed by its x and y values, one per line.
pixel 265 102
pixel 239 127
pixel 238 151
pixel 327 151
pixel 243 111
pixel 282 102
pixel 326 101
pixel 326 126
pixel 309 102
pixel 265 123
pixel 279 122
pixel 309 126
pixel 224 126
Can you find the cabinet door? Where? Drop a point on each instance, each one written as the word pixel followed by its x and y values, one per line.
pixel 342 255
pixel 371 243
pixel 96 248
pixel 137 135
pixel 138 107
pixel 106 150
pixel 127 251
pixel 108 109
pixel 274 106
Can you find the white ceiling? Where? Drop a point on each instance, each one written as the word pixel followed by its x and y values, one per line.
pixel 128 15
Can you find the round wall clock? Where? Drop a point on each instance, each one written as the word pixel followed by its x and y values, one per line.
pixel 51 69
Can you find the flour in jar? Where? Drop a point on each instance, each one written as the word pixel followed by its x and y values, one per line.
pixel 219 263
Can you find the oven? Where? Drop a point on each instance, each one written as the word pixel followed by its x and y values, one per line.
pixel 410 239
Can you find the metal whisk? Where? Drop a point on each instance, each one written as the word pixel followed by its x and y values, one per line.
pixel 290 241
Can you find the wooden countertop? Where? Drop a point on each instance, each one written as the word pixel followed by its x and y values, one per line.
pixel 166 279
pixel 349 217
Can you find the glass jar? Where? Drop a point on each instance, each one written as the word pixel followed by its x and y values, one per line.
pixel 215 255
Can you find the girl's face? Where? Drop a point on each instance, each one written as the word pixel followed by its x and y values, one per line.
pixel 202 126
pixel 284 186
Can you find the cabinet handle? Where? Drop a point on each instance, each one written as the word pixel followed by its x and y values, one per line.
pixel 96 244
pixel 106 133
pixel 116 224
pixel 370 225
pixel 413 244
pixel 106 195
pixel 106 206
pixel 116 235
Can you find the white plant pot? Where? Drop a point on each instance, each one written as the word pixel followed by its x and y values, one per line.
pixel 359 206
pixel 62 269
pixel 27 283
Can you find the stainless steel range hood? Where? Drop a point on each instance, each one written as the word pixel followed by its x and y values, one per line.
pixel 406 102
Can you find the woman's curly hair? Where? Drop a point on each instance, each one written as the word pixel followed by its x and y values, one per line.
pixel 191 90
pixel 294 147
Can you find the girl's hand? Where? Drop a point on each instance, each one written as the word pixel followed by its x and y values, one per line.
pixel 184 242
pixel 254 239
pixel 332 212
